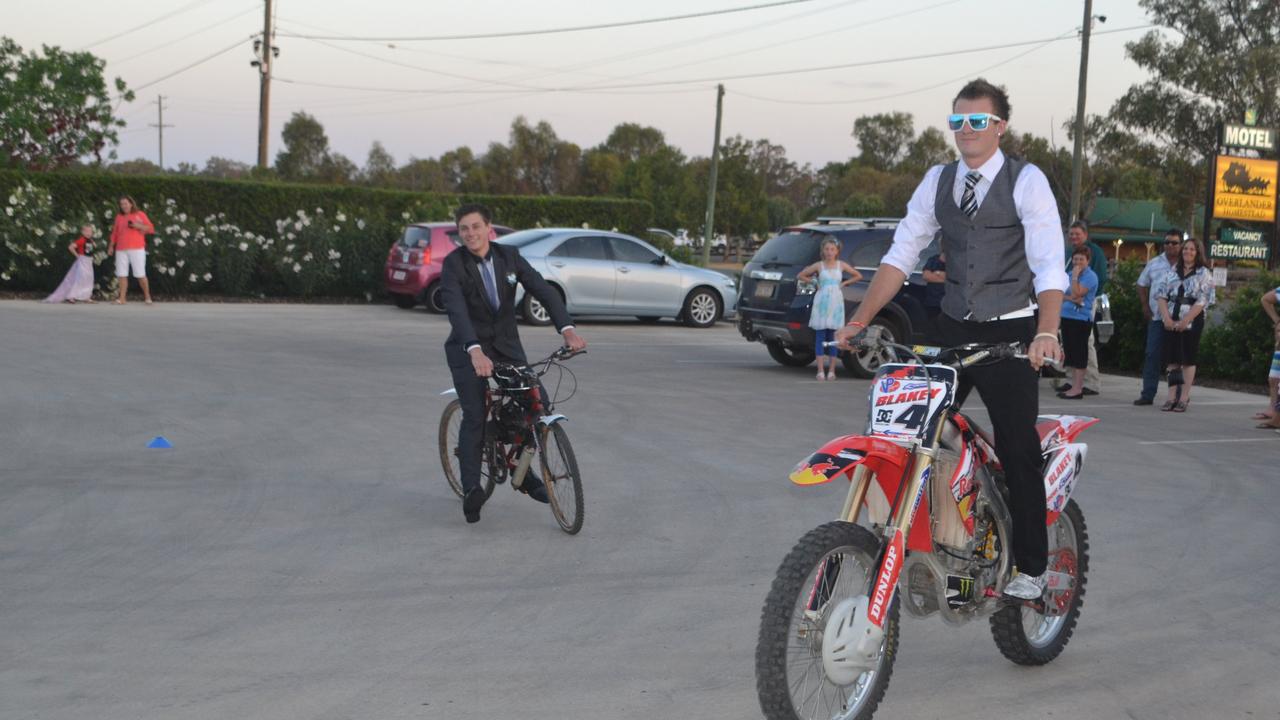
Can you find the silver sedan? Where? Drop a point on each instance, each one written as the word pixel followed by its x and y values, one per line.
pixel 608 273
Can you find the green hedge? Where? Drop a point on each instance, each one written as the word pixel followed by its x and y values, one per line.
pixel 241 237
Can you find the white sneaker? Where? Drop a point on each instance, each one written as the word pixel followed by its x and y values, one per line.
pixel 1026 587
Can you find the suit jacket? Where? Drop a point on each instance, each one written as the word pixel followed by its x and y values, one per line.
pixel 473 320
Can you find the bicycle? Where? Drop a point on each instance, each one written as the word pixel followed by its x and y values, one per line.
pixel 520 422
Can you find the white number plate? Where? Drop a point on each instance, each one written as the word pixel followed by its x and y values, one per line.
pixel 397 275
pixel 904 403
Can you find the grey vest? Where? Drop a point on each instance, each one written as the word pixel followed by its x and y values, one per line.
pixel 987 270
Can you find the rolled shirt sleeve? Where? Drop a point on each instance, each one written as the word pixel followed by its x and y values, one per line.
pixel 917 229
pixel 1042 228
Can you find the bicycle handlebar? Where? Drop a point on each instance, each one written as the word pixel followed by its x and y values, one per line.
pixel 981 351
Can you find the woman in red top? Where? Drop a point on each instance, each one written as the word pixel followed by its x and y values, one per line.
pixel 77 286
pixel 129 237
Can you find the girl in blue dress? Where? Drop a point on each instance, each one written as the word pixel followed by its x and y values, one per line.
pixel 827 312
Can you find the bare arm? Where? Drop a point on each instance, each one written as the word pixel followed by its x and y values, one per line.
pixel 1144 294
pixel 1269 306
pixel 854 275
pixel 807 273
pixel 884 286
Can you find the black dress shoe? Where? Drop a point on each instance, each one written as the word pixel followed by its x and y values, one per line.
pixel 534 488
pixel 471 504
pixel 1087 391
pixel 1144 401
pixel 1065 396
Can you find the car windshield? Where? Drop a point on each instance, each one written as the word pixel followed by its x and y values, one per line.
pixel 790 248
pixel 415 236
pixel 524 237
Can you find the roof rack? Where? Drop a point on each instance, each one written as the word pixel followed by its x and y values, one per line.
pixel 870 222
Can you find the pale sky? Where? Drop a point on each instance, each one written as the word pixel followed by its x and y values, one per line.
pixel 213 106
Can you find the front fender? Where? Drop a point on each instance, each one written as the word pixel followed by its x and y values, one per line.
pixel 841 455
pixel 549 420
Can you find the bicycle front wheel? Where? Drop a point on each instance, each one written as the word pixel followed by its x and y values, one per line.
pixel 450 426
pixel 563 482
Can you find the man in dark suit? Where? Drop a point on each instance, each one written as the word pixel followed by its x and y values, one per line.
pixel 478 285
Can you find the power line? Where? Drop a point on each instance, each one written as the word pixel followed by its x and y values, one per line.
pixel 188 36
pixel 553 31
pixel 149 23
pixel 890 96
pixel 713 79
pixel 201 61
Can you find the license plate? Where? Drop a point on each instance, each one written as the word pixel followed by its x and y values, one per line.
pixel 397 275
pixel 764 289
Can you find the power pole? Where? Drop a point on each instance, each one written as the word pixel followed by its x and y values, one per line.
pixel 711 189
pixel 266 52
pixel 161 126
pixel 1077 155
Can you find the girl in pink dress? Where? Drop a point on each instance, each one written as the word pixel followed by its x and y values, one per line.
pixel 77 286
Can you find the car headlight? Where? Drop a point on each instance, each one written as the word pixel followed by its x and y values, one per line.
pixel 730 283
pixel 804 287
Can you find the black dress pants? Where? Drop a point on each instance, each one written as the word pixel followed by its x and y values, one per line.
pixel 1010 391
pixel 471 389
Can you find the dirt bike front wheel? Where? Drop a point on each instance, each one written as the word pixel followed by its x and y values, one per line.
pixel 1029 636
pixel 831 566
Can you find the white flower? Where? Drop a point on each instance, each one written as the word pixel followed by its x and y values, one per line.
pixel 297 268
pixel 342 217
pixel 185 234
pixel 9 211
pixel 306 222
pixel 107 214
pixel 244 246
pixel 208 277
pixel 183 243
pixel 173 271
pixel 301 214
pixel 585 225
pixel 306 258
pixel 182 217
pixel 360 223
pixel 4 276
pixel 404 215
pixel 336 228
pixel 13 199
pixel 319 211
pixel 192 278
pixel 39 232
pixel 158 240
pixel 289 236
pixel 289 247
pixel 334 254
pixel 298 226
pixel 170 201
pixel 181 263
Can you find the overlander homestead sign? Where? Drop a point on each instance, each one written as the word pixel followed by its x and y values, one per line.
pixel 1245 189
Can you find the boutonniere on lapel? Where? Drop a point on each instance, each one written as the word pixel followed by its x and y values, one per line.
pixel 511 278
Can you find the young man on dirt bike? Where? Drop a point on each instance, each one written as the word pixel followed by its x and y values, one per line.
pixel 1002 237
pixel 479 287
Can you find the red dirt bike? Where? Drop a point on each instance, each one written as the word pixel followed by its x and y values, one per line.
pixel 925 526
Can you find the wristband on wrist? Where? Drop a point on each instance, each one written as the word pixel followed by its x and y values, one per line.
pixel 1051 336
pixel 855 323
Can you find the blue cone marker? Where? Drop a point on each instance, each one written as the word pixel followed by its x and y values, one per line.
pixel 159 442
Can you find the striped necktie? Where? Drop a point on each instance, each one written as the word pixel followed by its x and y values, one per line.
pixel 969 200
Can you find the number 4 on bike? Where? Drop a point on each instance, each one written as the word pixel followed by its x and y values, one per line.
pixel 925 526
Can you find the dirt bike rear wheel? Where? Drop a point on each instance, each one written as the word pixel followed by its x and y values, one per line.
pixel 1030 637
pixel 831 563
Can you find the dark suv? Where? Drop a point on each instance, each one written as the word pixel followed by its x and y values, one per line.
pixel 774 310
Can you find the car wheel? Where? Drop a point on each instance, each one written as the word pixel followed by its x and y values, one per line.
pixel 789 356
pixel 404 302
pixel 435 298
pixel 864 363
pixel 533 311
pixel 701 308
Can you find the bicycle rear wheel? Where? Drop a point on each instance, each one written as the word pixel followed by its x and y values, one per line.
pixel 563 482
pixel 450 425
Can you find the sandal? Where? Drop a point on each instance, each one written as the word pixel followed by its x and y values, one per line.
pixel 117 302
pixel 820 375
pixel 1167 406
pixel 831 374
pixel 1181 407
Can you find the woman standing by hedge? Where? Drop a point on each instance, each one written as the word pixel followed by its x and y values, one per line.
pixel 1077 319
pixel 129 236
pixel 1183 294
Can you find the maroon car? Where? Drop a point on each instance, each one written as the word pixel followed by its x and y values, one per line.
pixel 412 274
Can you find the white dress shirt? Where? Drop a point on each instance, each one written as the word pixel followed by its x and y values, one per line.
pixel 1032 198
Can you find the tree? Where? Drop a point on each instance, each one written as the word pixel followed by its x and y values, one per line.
pixel 306 148
pixel 741 203
pixel 423 176
pixel 337 169
pixel 136 166
pixel 186 168
pixel 930 148
pixel 54 107
pixel 632 141
pixel 663 180
pixel 543 163
pixel 224 169
pixel 1222 59
pixel 601 171
pixel 883 138
pixel 379 167
pixel 457 165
